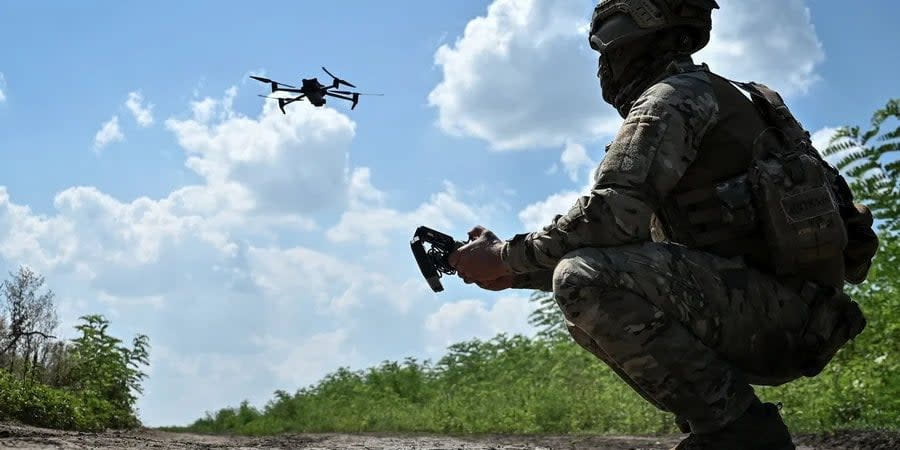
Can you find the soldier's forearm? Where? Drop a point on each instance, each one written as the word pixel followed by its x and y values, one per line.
pixel 607 217
pixel 540 280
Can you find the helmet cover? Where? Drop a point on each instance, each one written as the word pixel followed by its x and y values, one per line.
pixel 617 22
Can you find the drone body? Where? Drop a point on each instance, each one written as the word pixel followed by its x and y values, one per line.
pixel 312 90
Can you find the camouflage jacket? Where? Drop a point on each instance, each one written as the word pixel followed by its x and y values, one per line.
pixel 655 145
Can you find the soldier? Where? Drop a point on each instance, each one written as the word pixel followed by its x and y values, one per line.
pixel 675 271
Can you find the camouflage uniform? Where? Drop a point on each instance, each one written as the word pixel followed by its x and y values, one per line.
pixel 688 329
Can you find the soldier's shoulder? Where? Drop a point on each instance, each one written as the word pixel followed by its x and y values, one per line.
pixel 685 91
pixel 681 85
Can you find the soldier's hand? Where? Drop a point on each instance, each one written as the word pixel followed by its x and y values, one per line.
pixel 479 259
pixel 499 284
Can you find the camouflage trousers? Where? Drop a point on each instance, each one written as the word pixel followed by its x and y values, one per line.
pixel 689 331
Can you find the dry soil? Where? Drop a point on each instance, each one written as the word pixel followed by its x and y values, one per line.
pixel 21 436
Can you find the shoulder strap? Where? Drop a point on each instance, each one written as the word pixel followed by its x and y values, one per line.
pixel 775 111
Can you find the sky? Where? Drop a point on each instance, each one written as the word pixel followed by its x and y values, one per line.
pixel 144 178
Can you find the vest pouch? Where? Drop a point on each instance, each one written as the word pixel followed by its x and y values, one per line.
pixel 862 243
pixel 736 198
pixel 707 216
pixel 798 212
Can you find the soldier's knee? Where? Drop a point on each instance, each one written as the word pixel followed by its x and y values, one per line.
pixel 567 269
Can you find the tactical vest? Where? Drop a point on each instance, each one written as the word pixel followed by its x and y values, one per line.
pixel 759 190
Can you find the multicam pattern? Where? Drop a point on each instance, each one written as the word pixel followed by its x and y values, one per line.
pixel 687 329
pixel 654 147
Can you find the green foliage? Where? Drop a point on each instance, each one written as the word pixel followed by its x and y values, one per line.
pixel 870 160
pixel 506 384
pixel 40 405
pixel 108 370
pixel 547 317
pixel 87 384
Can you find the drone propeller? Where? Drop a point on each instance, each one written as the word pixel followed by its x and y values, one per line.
pixel 337 80
pixel 272 82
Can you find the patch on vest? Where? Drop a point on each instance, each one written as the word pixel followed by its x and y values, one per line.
pixel 808 204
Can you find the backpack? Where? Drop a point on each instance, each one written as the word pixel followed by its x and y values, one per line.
pixel 804 205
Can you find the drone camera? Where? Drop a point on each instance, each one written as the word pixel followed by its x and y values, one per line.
pixel 435 260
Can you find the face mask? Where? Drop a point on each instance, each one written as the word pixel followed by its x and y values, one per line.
pixel 626 71
pixel 611 70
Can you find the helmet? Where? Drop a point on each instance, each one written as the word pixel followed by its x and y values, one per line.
pixel 617 22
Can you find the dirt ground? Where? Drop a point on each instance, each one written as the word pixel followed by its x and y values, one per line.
pixel 20 436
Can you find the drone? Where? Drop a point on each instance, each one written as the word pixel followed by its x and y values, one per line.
pixel 312 90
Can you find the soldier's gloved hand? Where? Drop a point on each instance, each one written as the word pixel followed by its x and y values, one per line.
pixel 499 284
pixel 479 261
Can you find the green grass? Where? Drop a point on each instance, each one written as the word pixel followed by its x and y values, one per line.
pixel 520 385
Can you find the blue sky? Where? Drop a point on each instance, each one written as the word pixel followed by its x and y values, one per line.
pixel 260 251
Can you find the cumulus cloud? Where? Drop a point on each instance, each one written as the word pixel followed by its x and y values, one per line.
pixel 574 159
pixel 215 252
pixel 539 214
pixel 772 42
pixel 522 76
pixel 467 319
pixel 288 163
pixel 2 87
pixel 276 271
pixel 303 363
pixel 139 249
pixel 143 115
pixel 109 132
pixel 822 137
pixel 369 221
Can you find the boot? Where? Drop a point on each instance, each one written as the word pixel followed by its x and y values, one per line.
pixel 759 428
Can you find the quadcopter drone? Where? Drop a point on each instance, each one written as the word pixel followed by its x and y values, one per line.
pixel 312 90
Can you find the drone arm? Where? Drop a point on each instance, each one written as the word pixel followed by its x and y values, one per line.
pixel 339 96
pixel 286 90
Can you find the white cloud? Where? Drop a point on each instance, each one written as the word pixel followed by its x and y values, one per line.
pixel 303 363
pixel 362 193
pixel 367 220
pixel 822 137
pixel 109 132
pixel 523 76
pixel 520 77
pixel 575 158
pixel 299 274
pixel 294 163
pixel 467 319
pixel 772 42
pixel 143 115
pixel 2 87
pixel 539 214
pixel 204 109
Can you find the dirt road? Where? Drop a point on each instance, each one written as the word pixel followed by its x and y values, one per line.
pixel 19 436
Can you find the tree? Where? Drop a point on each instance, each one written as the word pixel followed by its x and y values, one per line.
pixel 104 367
pixel 870 160
pixel 547 317
pixel 30 317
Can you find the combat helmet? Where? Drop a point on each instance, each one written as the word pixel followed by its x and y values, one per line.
pixel 617 22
